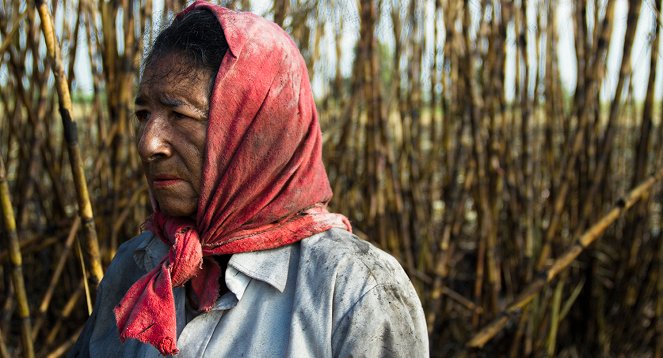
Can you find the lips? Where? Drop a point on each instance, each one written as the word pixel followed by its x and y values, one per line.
pixel 164 180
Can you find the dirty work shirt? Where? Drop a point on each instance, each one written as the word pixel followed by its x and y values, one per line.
pixel 330 295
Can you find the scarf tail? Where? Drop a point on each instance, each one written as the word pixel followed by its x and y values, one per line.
pixel 140 316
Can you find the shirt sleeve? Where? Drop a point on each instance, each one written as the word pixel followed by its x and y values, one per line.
pixel 387 321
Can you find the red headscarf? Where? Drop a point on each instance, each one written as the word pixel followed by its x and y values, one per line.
pixel 263 181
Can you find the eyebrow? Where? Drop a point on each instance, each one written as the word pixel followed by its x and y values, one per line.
pixel 164 100
pixel 170 102
pixel 176 102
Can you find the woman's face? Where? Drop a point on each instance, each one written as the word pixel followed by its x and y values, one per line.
pixel 172 109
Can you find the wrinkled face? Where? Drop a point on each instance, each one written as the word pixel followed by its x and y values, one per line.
pixel 172 109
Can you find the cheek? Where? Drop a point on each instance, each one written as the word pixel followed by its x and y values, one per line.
pixel 138 137
pixel 198 140
pixel 197 154
pixel 197 172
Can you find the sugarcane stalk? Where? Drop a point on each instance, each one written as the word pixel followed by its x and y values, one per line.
pixel 60 350
pixel 555 318
pixel 17 263
pixel 525 114
pixel 658 349
pixel 280 11
pixel 55 278
pixel 64 314
pixel 444 256
pixel 88 299
pixel 488 239
pixel 71 137
pixel 551 75
pixel 8 309
pixel 4 352
pixel 10 35
pixel 582 100
pixel 561 263
pixel 608 137
pixel 435 118
pixel 637 219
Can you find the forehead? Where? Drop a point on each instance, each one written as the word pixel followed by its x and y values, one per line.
pixel 173 74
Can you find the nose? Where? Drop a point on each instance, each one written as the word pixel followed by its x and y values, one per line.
pixel 153 141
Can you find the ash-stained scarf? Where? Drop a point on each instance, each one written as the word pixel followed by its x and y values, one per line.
pixel 263 181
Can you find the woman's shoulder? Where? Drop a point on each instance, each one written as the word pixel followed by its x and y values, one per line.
pixel 127 248
pixel 353 264
pixel 347 253
pixel 126 266
pixel 372 298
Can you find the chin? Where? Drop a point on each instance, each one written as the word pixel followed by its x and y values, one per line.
pixel 176 209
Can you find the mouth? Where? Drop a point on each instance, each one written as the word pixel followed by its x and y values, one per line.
pixel 162 181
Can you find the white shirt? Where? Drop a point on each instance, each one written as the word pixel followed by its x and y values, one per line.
pixel 330 295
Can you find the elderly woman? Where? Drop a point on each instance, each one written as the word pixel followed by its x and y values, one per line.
pixel 241 256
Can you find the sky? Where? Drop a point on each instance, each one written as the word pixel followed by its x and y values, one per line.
pixel 565 48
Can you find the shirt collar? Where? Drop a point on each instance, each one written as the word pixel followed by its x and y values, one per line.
pixel 269 266
pixel 151 250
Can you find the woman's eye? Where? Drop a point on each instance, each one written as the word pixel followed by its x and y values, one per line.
pixel 142 115
pixel 178 115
